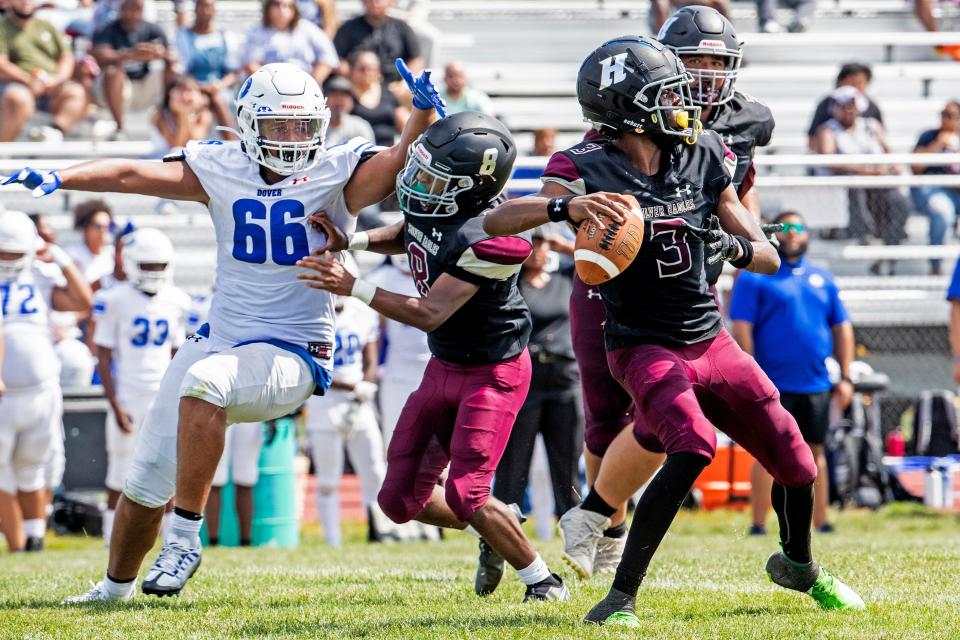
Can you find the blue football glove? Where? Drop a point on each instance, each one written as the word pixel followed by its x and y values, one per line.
pixel 425 95
pixel 40 182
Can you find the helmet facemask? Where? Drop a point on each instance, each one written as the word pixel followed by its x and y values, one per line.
pixel 671 109
pixel 11 268
pixel 424 190
pixel 148 280
pixel 286 144
pixel 713 87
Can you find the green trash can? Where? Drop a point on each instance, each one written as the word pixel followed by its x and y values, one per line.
pixel 275 521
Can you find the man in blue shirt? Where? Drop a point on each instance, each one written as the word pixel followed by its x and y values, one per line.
pixel 953 295
pixel 791 322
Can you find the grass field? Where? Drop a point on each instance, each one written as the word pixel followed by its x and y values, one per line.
pixel 706 582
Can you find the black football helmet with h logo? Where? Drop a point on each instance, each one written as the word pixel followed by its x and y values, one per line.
pixel 634 84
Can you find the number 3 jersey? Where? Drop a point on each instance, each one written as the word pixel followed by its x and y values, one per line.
pixel 494 324
pixel 141 330
pixel 663 296
pixel 29 358
pixel 261 232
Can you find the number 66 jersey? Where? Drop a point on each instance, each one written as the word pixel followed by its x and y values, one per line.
pixel 261 231
pixel 663 296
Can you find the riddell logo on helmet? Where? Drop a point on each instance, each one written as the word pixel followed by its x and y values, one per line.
pixel 712 44
pixel 291 106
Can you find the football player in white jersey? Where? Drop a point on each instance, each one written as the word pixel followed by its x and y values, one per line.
pixel 345 415
pixel 269 343
pixel 30 407
pixel 407 352
pixel 139 326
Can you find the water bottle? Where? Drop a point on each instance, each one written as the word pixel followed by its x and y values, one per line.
pixel 933 488
pixel 896 445
pixel 948 471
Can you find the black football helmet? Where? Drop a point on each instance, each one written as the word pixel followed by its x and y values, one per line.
pixel 459 165
pixel 699 30
pixel 635 84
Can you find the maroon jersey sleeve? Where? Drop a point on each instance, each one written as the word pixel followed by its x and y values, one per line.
pixel 562 170
pixel 491 259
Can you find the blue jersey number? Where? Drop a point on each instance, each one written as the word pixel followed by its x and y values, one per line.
pixel 348 347
pixel 288 238
pixel 161 331
pixel 26 307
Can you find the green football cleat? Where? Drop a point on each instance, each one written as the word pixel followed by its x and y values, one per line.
pixel 622 619
pixel 830 593
pixel 617 608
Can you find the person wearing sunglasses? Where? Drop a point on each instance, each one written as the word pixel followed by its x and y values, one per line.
pixel 791 322
pixel 939 203
pixel 93 255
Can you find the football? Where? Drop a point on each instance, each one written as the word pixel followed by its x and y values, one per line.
pixel 603 254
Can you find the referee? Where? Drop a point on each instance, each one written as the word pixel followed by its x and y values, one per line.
pixel 791 322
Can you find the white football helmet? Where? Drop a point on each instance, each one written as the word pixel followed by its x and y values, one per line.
pixel 283 118
pixel 17 235
pixel 147 246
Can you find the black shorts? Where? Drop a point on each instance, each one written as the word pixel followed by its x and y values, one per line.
pixel 812 413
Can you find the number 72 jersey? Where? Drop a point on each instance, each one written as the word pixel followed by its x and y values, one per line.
pixel 261 231
pixel 663 296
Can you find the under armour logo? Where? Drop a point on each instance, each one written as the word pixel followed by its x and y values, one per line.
pixel 303 179
pixel 556 206
pixel 436 235
pixel 684 190
pixel 593 293
pixel 612 71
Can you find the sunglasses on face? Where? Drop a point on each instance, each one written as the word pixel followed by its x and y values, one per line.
pixel 794 227
pixel 98 227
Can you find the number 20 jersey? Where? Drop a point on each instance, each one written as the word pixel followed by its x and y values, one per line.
pixel 663 296
pixel 261 232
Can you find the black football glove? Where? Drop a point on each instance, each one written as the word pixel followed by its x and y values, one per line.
pixel 718 244
pixel 771 230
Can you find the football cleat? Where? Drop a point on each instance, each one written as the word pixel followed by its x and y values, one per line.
pixel 99 593
pixel 814 580
pixel 178 560
pixel 609 552
pixel 617 608
pixel 551 588
pixel 581 532
pixel 490 566
pixel 34 544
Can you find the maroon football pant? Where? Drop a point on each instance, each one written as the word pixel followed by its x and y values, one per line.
pixel 606 405
pixel 683 393
pixel 461 415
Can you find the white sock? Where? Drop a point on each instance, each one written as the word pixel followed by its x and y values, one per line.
pixel 108 516
pixel 536 572
pixel 117 588
pixel 184 528
pixel 165 523
pixel 34 528
pixel 328 504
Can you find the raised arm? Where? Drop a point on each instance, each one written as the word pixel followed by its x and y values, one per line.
pixel 76 295
pixel 383 240
pixel 172 180
pixel 556 203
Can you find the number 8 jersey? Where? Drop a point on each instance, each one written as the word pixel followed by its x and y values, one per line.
pixel 261 232
pixel 663 296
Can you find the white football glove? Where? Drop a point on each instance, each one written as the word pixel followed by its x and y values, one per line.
pixel 365 391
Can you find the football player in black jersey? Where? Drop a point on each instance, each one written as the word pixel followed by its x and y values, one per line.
pixel 478 326
pixel 665 342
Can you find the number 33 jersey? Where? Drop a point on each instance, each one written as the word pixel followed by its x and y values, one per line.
pixel 663 296
pixel 141 330
pixel 261 232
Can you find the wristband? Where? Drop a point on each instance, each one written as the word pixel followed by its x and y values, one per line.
pixel 59 256
pixel 557 209
pixel 747 257
pixel 358 241
pixel 363 291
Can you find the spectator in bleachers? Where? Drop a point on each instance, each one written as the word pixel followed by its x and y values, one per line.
pixel 940 204
pixel 343 124
pixel 660 10
pixel 877 212
pixel 923 9
pixel 94 255
pixel 283 37
pixel 127 50
pixel 852 74
pixel 791 322
pixel 36 66
pixel 211 56
pixel 459 95
pixel 767 15
pixel 322 13
pixel 389 38
pixel 544 142
pixel 373 100
pixel 183 115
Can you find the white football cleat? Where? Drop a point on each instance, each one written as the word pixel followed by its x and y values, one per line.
pixel 581 532
pixel 99 593
pixel 178 560
pixel 609 552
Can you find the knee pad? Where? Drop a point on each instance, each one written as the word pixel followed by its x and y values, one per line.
pixel 150 484
pixel 398 509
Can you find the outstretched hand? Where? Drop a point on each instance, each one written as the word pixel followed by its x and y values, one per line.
pixel 425 95
pixel 329 274
pixel 40 182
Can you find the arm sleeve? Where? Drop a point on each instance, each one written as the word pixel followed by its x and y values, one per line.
pixel 953 293
pixel 561 170
pixel 926 138
pixel 343 39
pixel 766 127
pixel 105 334
pixel 61 42
pixel 491 259
pixel 743 302
pixel 820 115
pixel 838 313
pixel 104 35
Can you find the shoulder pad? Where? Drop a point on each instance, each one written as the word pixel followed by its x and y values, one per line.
pixel 177 156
